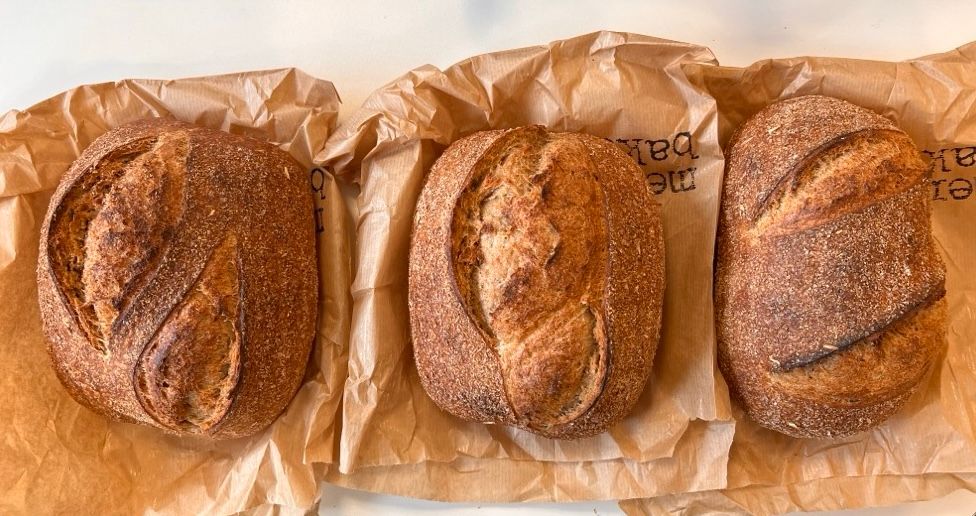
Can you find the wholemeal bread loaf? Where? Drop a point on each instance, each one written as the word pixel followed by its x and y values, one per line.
pixel 177 278
pixel 829 289
pixel 536 281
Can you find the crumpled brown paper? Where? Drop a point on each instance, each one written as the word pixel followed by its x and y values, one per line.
pixel 825 494
pixel 620 86
pixel 57 457
pixel 929 448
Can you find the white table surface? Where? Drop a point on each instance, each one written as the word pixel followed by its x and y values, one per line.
pixel 48 46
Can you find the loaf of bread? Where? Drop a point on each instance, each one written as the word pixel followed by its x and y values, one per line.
pixel 177 278
pixel 829 289
pixel 536 281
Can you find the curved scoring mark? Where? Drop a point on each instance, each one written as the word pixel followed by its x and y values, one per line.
pixel 186 374
pixel 887 364
pixel 530 261
pixel 842 177
pixel 113 226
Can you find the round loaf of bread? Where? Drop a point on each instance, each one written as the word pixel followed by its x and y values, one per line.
pixel 829 289
pixel 177 278
pixel 536 281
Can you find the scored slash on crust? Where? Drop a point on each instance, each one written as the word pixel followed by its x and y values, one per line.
pixel 829 288
pixel 125 257
pixel 532 327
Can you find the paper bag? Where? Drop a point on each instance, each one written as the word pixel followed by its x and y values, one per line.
pixel 824 494
pixel 57 457
pixel 620 86
pixel 932 441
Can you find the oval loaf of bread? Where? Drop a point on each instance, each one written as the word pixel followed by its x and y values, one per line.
pixel 829 289
pixel 536 281
pixel 177 278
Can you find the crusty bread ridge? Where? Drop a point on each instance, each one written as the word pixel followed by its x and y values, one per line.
pixel 536 281
pixel 177 278
pixel 829 288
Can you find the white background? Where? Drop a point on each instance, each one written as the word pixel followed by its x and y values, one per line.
pixel 48 46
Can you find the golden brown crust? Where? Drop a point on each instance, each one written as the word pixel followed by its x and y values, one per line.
pixel 185 375
pixel 536 281
pixel 170 256
pixel 828 282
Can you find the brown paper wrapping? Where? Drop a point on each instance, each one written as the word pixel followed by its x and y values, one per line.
pixel 825 494
pixel 929 448
pixel 620 86
pixel 57 457
pixel 672 106
pixel 696 463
